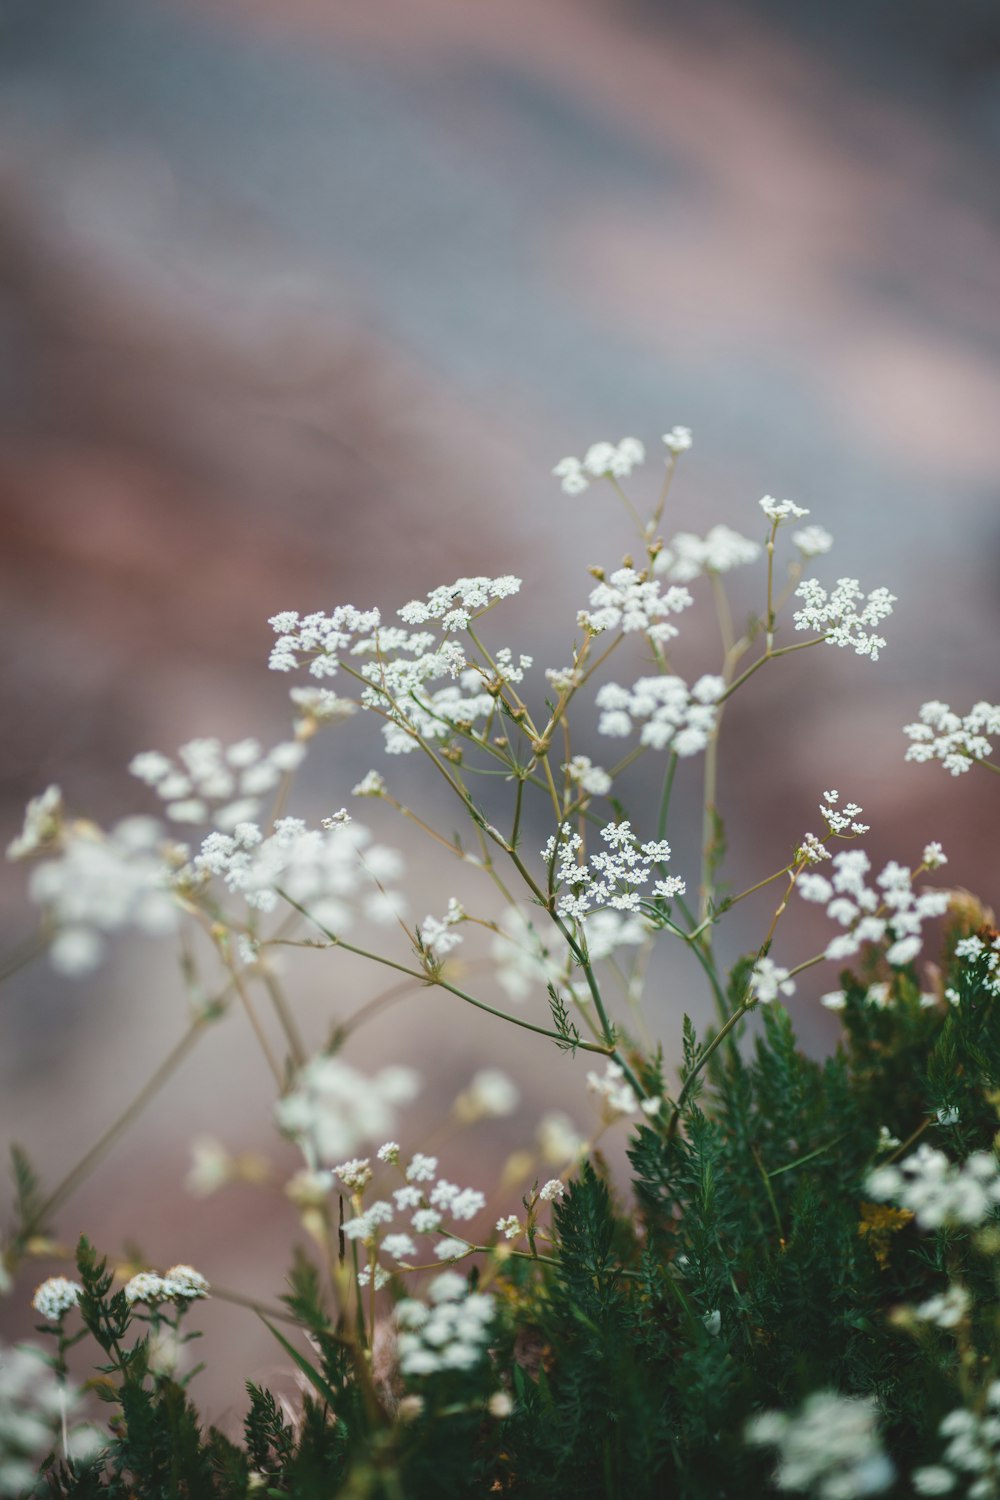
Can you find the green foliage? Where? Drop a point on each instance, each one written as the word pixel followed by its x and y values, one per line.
pixel 751 1271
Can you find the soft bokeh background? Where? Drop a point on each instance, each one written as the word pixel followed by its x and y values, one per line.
pixel 300 303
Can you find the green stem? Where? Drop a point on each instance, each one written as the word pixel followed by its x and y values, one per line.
pixel 425 979
pixel 103 1144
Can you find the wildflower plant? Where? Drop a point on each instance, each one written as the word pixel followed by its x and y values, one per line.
pixel 796 1288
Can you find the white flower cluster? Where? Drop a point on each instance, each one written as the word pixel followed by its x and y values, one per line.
pixel 592 780
pixel 781 510
pixel 974 950
pixel 894 910
pixel 35 1405
pixel 212 784
pixel 617 1095
pixel 938 1192
pixel 842 821
pixel 181 1284
pixel 768 980
pixel 678 440
pixel 318 636
pixel 672 714
pixel 43 822
pixel 99 883
pixel 54 1298
pixel 972 1452
pixel 451 1334
pixel 812 541
pixel 686 556
pixel 402 664
pixel 428 1209
pixel 332 872
pixel 438 935
pixel 830 1447
pixel 455 605
pixel 956 742
pixel 611 877
pixel 878 995
pixel 601 461
pixel 947 1309
pixel 334 1108
pixel 525 963
pixel 835 615
pixel 629 602
pixel 490 1095
pixel 434 715
pixel 318 705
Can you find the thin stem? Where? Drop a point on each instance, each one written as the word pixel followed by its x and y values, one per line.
pixel 282 1010
pixel 258 1029
pixel 769 655
pixel 426 979
pixel 765 1179
pixel 640 524
pixel 665 795
pixel 703 1057
pixel 104 1142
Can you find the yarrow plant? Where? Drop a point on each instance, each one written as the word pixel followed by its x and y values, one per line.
pixel 794 1289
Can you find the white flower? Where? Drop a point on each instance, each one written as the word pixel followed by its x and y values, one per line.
pixel 601 461
pixel 558 1139
pixel 686 556
pixel 956 742
pixel 421 1168
pixel 812 541
pixel 933 1479
pixel 678 440
pixel 54 1298
pixel 552 1189
pixel 212 783
pixel 673 716
pixel 767 981
pixel 43 818
pixel 510 1227
pixel 628 602
pixel 399 1246
pixel 830 1447
pixel 588 777
pixel 354 1174
pixel 615 1092
pixel 321 705
pixel 611 878
pixel 937 1191
pixel 211 1167
pixel 438 935
pixel 185 1283
pixel 836 617
pixel 372 784
pixel 100 883
pixel 571 472
pixel 451 1249
pixel 491 1094
pixel 147 1287
pixel 780 510
pixel 334 1108
pixel 455 605
pixel 947 1309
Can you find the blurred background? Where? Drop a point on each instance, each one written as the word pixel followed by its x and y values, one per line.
pixel 299 304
